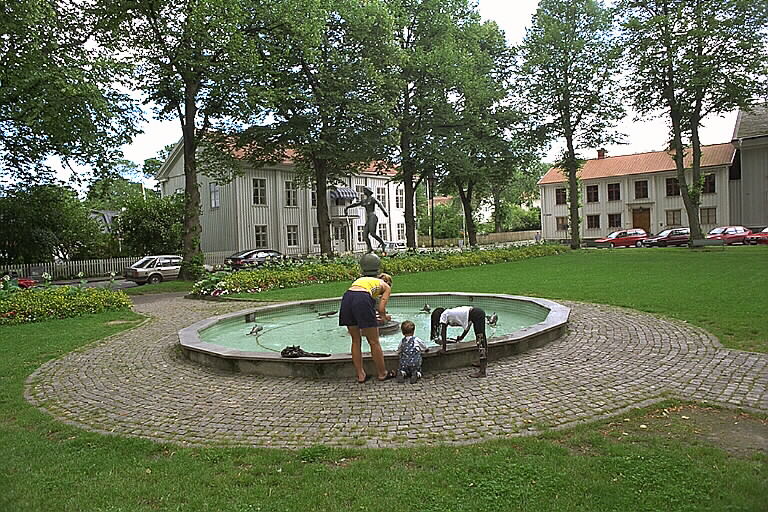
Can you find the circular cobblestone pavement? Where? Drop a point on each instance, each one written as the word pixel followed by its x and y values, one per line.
pixel 138 384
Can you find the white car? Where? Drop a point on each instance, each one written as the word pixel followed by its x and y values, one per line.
pixel 154 269
pixel 395 247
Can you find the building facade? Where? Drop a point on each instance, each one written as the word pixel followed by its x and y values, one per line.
pixel 265 208
pixel 637 191
pixel 749 183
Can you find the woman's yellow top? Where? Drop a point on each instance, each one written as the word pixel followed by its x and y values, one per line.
pixel 371 284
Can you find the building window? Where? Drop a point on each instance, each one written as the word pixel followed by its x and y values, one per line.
pixel 592 194
pixel 674 217
pixel 291 194
pixel 381 195
pixel 593 221
pixel 401 230
pixel 614 192
pixel 641 189
pixel 560 196
pixel 339 232
pixel 673 187
pixel 708 215
pixel 360 191
pixel 261 237
pixel 214 194
pixel 293 235
pixel 399 197
pixel 383 232
pixel 316 235
pixel 313 196
pixel 614 220
pixel 709 184
pixel 562 223
pixel 360 230
pixel 259 191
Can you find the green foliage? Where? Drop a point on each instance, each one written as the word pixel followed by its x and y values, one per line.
pixel 153 225
pixel 40 304
pixel 59 94
pixel 291 274
pixel 41 222
pixel 113 190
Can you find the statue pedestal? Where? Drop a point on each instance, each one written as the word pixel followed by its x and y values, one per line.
pixel 389 327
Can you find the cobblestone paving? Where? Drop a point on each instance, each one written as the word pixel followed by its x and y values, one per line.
pixel 137 384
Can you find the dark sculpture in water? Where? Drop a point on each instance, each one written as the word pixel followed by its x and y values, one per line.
pixel 372 221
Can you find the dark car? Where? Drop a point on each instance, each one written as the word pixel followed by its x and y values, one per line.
pixel 669 237
pixel 625 237
pixel 251 258
pixel 758 238
pixel 730 234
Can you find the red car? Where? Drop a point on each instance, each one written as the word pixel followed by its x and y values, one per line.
pixel 626 238
pixel 758 238
pixel 730 234
pixel 26 283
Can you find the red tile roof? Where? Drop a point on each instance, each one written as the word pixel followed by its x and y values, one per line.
pixel 374 168
pixel 642 163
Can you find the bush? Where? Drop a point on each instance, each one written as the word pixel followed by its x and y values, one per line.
pixel 36 305
pixel 287 274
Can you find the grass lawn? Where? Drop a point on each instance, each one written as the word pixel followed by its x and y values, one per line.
pixel 675 457
pixel 722 291
pixel 655 459
pixel 164 287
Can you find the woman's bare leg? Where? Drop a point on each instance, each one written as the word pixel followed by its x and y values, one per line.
pixel 357 352
pixel 372 335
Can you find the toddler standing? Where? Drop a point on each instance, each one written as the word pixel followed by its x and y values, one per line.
pixel 410 350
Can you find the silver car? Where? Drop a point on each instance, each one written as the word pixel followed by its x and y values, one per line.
pixel 154 269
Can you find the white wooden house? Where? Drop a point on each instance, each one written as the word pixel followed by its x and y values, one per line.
pixel 265 208
pixel 637 191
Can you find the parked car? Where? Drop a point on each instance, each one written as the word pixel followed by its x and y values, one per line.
pixel 625 238
pixel 730 234
pixel 674 236
pixel 22 282
pixel 392 248
pixel 154 269
pixel 758 238
pixel 251 258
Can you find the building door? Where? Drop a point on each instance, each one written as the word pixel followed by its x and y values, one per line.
pixel 641 218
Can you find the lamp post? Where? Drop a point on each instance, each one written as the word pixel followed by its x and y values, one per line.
pixel 431 182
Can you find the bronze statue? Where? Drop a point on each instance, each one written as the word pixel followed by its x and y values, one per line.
pixel 372 221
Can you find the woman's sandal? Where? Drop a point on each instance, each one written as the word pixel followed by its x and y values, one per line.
pixel 391 374
pixel 366 379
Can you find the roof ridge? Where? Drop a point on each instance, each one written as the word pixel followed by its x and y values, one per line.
pixel 649 152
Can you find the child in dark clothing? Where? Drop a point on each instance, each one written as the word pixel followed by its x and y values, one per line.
pixel 410 350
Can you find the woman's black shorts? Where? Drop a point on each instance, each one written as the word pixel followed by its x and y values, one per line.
pixel 358 308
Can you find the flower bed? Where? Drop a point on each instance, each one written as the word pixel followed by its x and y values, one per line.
pixel 40 304
pixel 321 270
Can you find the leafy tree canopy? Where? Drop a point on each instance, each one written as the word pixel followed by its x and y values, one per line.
pixel 153 225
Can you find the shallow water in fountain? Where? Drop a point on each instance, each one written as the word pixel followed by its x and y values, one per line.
pixel 316 333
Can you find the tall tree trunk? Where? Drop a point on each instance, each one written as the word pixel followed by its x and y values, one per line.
pixel 408 173
pixel 466 202
pixel 498 210
pixel 192 253
pixel 323 219
pixel 572 166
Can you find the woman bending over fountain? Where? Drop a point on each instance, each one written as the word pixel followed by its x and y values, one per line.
pixel 360 315
pixel 465 317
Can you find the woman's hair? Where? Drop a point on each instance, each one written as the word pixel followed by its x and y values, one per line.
pixel 407 328
pixel 386 278
pixel 434 331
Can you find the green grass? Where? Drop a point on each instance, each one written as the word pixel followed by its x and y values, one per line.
pixel 723 291
pixel 164 287
pixel 49 466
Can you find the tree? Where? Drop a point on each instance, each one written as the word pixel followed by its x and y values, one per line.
pixel 691 59
pixel 508 191
pixel 331 97
pixel 568 61
pixel 429 61
pixel 153 225
pixel 192 59
pixel 152 165
pixel 59 92
pixel 112 190
pixel 41 222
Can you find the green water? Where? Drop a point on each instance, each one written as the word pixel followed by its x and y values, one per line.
pixel 302 325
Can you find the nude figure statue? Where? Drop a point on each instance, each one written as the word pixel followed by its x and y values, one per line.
pixel 372 221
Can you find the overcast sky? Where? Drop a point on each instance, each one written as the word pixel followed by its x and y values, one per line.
pixel 513 16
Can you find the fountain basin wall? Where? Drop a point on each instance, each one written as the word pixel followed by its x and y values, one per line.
pixel 550 321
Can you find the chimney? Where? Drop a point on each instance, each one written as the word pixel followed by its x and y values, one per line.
pixel 601 153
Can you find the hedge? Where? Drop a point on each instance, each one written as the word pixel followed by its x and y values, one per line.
pixel 312 271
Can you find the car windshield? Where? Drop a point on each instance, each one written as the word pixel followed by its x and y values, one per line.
pixel 765 230
pixel 666 232
pixel 147 262
pixel 614 234
pixel 717 231
pixel 242 254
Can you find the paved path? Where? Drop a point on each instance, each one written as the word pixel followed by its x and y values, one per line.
pixel 138 384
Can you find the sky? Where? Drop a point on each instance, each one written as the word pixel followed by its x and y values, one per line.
pixel 513 17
